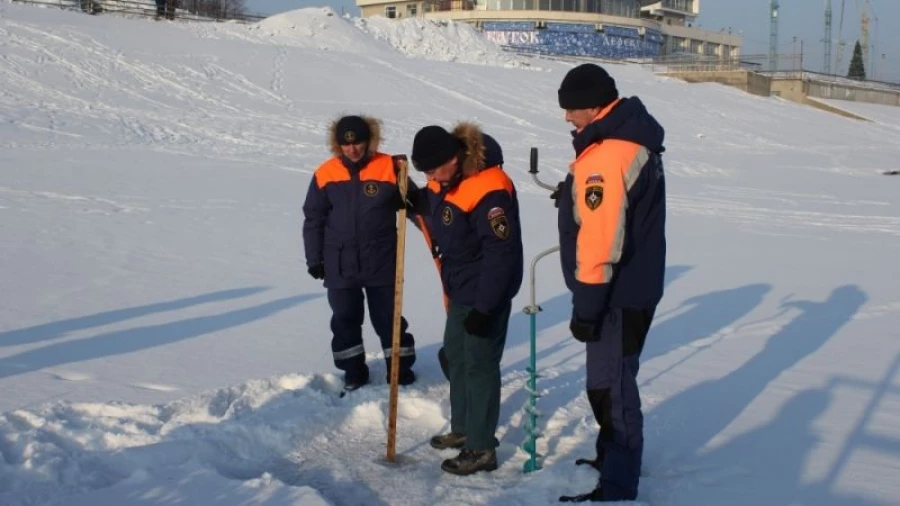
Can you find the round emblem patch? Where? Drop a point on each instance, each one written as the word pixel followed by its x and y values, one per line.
pixel 447 216
pixel 349 137
pixel 370 189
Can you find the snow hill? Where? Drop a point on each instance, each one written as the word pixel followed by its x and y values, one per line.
pixel 161 343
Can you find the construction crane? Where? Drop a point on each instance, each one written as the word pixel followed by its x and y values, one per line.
pixel 864 33
pixel 826 61
pixel 773 35
pixel 869 51
pixel 841 43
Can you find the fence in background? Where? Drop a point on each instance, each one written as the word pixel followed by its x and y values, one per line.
pixel 146 8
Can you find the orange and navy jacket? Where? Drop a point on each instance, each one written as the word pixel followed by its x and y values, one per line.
pixel 474 225
pixel 612 213
pixel 350 218
pixel 351 222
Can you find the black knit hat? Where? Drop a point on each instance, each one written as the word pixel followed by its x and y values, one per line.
pixel 432 147
pixel 352 130
pixel 587 86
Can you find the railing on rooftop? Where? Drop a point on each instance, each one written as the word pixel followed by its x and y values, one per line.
pixel 784 66
pixel 146 8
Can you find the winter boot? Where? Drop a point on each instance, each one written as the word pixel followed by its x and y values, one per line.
pixel 596 463
pixel 407 377
pixel 600 495
pixel 448 440
pixel 357 379
pixel 471 461
pixel 595 495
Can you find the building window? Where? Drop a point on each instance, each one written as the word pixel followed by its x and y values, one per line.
pixel 411 10
pixel 390 12
pixel 696 46
pixel 681 5
pixel 624 8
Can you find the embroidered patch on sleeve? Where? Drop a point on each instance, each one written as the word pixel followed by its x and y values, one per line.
pixel 499 224
pixel 593 197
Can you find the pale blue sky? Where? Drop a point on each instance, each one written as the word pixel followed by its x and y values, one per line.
pixel 804 19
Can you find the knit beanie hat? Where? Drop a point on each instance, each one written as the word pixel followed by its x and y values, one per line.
pixel 587 86
pixel 432 147
pixel 352 130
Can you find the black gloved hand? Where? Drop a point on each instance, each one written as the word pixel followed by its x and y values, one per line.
pixel 476 323
pixel 555 194
pixel 416 199
pixel 584 331
pixel 399 202
pixel 407 203
pixel 317 271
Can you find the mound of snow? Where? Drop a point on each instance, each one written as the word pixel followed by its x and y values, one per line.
pixel 442 40
pixel 323 28
pixel 314 27
pixel 236 441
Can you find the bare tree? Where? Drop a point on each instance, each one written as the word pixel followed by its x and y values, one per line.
pixel 219 9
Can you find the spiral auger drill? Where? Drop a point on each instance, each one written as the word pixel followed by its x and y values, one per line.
pixel 532 431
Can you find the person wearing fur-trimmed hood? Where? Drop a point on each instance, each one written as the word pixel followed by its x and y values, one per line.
pixel 350 240
pixel 471 209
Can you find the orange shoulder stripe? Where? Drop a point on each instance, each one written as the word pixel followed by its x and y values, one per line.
pixel 472 189
pixel 332 171
pixel 381 168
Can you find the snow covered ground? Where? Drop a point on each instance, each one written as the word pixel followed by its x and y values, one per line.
pixel 885 116
pixel 161 343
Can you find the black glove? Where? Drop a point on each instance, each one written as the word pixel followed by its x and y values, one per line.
pixel 555 194
pixel 399 202
pixel 476 323
pixel 317 271
pixel 583 331
pixel 409 203
pixel 416 200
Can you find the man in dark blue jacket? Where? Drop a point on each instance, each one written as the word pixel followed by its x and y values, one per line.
pixel 612 214
pixel 471 209
pixel 350 238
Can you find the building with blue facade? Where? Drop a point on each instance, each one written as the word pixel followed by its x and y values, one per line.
pixel 614 29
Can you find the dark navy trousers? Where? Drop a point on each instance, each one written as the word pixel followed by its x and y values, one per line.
pixel 348 314
pixel 612 369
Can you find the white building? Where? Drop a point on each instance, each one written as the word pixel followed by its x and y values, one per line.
pixel 602 28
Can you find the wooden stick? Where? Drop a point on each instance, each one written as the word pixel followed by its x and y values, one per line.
pixel 402 171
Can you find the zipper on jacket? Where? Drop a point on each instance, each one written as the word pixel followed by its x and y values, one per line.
pixel 356 187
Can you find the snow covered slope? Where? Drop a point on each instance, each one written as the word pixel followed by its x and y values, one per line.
pixel 160 342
